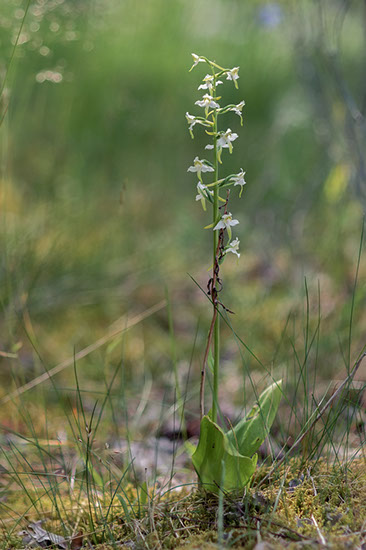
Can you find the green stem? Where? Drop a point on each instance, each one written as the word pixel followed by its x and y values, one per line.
pixel 216 353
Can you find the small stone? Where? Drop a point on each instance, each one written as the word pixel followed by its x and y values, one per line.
pixel 333 517
pixel 260 502
pixel 293 483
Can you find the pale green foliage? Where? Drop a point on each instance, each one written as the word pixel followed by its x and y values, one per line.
pixel 248 434
pixel 227 461
pixel 214 453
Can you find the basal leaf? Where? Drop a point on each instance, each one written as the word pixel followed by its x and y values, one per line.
pixel 212 451
pixel 248 435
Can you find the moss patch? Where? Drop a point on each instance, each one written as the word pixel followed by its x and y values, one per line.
pixel 297 507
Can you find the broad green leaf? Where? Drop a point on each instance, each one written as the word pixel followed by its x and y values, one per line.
pixel 189 447
pixel 212 452
pixel 248 435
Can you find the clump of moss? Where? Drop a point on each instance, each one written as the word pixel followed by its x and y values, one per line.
pixel 296 506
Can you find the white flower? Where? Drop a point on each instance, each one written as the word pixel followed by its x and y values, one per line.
pixel 237 109
pixel 233 74
pixel 200 166
pixel 226 222
pixel 207 102
pixel 208 83
pixel 233 247
pixel 192 121
pixel 196 59
pixel 202 191
pixel 225 139
pixel 239 180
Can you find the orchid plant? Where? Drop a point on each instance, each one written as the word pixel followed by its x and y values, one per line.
pixel 225 461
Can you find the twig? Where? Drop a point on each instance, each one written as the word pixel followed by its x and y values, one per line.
pixel 320 534
pixel 318 416
pixel 312 482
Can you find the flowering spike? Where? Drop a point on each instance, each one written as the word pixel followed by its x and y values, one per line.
pixel 231 450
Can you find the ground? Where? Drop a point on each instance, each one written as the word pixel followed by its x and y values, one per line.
pixel 301 505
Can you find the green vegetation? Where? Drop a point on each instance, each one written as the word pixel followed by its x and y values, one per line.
pixel 101 244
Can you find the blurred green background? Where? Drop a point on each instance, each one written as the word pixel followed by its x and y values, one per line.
pixel 97 211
